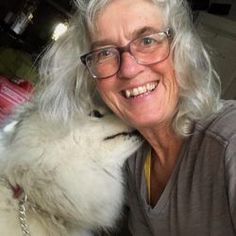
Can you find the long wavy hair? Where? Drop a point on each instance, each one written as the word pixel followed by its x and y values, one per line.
pixel 66 89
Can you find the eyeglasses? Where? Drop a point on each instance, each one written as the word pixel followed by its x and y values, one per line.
pixel 146 50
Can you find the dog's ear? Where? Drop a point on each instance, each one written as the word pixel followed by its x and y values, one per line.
pixel 96 113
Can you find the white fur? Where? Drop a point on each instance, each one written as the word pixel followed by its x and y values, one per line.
pixel 72 175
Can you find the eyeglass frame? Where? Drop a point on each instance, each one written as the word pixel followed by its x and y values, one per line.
pixel 168 32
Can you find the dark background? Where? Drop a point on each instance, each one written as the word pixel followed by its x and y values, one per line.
pixel 48 13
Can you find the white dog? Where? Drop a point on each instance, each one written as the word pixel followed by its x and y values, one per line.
pixel 59 180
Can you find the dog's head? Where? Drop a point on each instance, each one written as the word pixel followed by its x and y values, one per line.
pixel 106 137
pixel 72 170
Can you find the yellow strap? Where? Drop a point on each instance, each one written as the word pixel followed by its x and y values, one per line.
pixel 147 171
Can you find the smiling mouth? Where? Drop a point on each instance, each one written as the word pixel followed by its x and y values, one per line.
pixel 141 90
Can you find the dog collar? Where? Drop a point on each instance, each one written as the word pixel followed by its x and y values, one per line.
pixel 19 194
pixel 17 191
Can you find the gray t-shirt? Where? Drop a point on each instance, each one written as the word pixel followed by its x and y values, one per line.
pixel 200 196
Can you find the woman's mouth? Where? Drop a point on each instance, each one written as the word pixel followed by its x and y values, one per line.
pixel 141 90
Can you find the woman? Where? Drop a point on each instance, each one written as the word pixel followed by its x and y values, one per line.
pixel 150 68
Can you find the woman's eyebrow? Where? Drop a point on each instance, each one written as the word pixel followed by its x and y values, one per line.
pixel 135 34
pixel 101 43
pixel 143 31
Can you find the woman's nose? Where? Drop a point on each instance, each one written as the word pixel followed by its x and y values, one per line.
pixel 129 67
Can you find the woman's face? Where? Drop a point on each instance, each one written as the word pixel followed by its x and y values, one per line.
pixel 119 23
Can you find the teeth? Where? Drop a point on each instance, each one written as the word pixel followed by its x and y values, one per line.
pixel 127 93
pixel 135 92
pixel 140 90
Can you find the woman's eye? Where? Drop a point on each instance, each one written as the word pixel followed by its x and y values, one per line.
pixel 103 54
pixel 148 41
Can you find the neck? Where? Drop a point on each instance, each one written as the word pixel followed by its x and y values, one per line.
pixel 165 143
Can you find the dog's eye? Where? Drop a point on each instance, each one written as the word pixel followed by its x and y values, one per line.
pixel 96 113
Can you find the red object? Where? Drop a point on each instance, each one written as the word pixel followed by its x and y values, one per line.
pixel 12 94
pixel 17 191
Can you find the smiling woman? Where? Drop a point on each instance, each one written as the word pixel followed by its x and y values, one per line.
pixel 144 61
pixel 152 68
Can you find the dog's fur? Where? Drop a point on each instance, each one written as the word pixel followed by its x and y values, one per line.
pixel 71 174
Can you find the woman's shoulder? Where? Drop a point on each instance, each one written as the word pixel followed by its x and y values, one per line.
pixel 222 123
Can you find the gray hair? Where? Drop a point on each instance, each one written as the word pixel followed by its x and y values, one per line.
pixel 67 89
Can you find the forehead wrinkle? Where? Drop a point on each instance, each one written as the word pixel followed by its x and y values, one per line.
pixel 133 35
pixel 116 31
pixel 114 41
